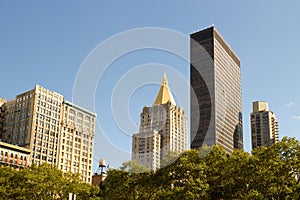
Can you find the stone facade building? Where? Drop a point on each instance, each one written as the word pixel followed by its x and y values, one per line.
pixel 53 129
pixel 162 129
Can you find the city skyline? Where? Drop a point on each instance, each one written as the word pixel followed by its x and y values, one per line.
pixel 47 43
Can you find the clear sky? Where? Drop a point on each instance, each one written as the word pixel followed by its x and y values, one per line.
pixel 46 42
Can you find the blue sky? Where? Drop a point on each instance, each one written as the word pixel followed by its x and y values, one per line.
pixel 46 42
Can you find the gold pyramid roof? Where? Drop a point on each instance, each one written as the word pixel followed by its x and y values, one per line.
pixel 164 95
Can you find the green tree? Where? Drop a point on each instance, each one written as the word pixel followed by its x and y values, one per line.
pixel 182 179
pixel 42 182
pixel 9 183
pixel 73 184
pixel 170 158
pixel 211 173
pixel 269 173
pixel 276 170
pixel 132 167
pixel 116 185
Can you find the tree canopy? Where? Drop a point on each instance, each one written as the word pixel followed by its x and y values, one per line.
pixel 42 182
pixel 207 173
pixel 210 173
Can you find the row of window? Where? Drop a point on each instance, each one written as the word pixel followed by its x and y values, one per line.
pixel 49 99
pixel 12 155
pixel 24 98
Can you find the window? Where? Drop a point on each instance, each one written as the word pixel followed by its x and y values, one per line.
pixel 71 117
pixel 87 121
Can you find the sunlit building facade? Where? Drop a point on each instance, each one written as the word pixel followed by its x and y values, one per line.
pixel 37 121
pixel 264 125
pixel 76 143
pixel 162 129
pixel 14 156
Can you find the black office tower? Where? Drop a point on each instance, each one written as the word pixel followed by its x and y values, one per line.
pixel 216 99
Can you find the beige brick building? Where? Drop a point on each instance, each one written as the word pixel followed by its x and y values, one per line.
pixel 77 140
pixel 55 130
pixel 264 125
pixel 162 129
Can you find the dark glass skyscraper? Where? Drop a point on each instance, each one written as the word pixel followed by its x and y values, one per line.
pixel 216 104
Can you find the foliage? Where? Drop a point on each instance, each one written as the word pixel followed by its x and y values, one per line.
pixel 132 167
pixel 207 173
pixel 210 173
pixel 42 182
pixel 170 157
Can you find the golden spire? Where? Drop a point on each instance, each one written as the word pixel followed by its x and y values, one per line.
pixel 164 95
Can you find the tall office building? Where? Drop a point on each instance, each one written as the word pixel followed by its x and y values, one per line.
pixel 264 125
pixel 216 100
pixel 76 144
pixel 162 129
pixel 55 130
